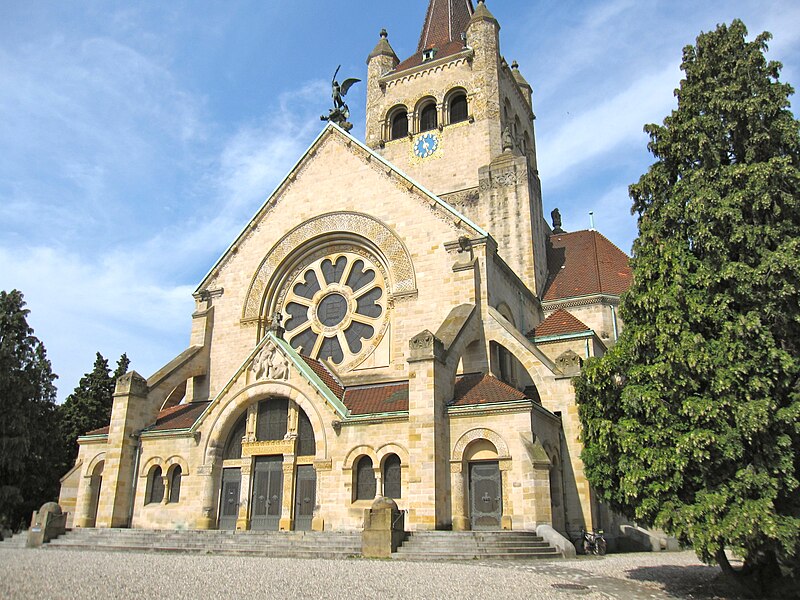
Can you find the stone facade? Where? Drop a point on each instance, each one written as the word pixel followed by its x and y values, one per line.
pixel 366 335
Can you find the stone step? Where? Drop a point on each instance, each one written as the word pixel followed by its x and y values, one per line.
pixel 18 540
pixel 516 549
pixel 471 545
pixel 447 556
pixel 235 551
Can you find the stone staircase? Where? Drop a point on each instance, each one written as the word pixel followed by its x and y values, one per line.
pixel 294 544
pixel 472 545
pixel 18 540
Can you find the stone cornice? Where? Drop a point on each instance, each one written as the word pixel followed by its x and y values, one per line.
pixel 552 305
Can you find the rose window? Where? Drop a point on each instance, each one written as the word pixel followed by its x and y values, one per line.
pixel 335 308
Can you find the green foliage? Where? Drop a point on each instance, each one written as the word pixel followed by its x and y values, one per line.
pixel 29 444
pixel 692 421
pixel 88 407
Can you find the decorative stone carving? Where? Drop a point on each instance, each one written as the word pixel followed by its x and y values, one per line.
pixel 480 433
pixel 270 363
pixel 401 278
pixel 425 345
pixel 569 363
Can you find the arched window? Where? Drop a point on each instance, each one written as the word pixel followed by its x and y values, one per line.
pixel 399 125
pixel 427 117
pixel 175 484
pixel 365 479
pixel 306 444
pixel 233 447
pixel 391 476
pixel 272 419
pixel 458 108
pixel 155 487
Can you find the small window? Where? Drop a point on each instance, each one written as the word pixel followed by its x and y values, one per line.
pixel 399 125
pixel 428 54
pixel 427 118
pixel 155 487
pixel 175 484
pixel 391 476
pixel 272 419
pixel 365 479
pixel 306 444
pixel 458 108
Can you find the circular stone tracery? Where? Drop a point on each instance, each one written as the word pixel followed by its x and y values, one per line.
pixel 335 308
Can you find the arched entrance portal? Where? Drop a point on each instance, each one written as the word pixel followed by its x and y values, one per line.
pixel 268 477
pixel 485 486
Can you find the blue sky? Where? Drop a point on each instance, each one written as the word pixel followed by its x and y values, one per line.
pixel 137 139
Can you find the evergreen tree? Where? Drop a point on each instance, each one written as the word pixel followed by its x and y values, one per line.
pixel 692 421
pixel 88 407
pixel 29 448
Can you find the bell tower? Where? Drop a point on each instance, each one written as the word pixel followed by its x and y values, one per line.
pixel 459 120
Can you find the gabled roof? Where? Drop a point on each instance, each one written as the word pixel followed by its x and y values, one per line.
pixel 331 129
pixel 582 263
pixel 480 388
pixel 380 398
pixel 559 323
pixel 182 416
pixel 328 378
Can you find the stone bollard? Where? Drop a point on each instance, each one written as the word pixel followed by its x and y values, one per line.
pixel 384 529
pixel 47 524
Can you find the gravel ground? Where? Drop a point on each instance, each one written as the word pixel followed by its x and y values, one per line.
pixel 65 574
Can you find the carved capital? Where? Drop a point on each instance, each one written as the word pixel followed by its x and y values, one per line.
pixel 425 345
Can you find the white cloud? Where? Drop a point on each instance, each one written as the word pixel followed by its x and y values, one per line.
pixel 604 127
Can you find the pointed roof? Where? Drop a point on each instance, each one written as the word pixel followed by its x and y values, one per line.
pixel 445 21
pixel 583 263
pixel 559 323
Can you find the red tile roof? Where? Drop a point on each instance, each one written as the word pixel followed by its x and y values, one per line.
pixel 367 399
pixel 325 375
pixel 101 431
pixel 583 263
pixel 182 416
pixel 480 388
pixel 445 21
pixel 559 323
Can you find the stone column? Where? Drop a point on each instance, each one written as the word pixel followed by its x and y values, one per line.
pixel 323 469
pixel 243 519
pixel 505 519
pixel 287 504
pixel 84 502
pixel 206 473
pixel 429 441
pixel 457 496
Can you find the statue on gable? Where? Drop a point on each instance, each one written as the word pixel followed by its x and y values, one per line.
pixel 340 111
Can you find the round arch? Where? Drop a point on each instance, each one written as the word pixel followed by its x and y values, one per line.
pixel 357 452
pixel 383 451
pixel 338 227
pixel 177 460
pixel 94 463
pixel 393 114
pixel 153 461
pixel 228 415
pixel 480 433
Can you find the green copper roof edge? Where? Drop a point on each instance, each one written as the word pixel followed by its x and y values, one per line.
pixel 563 336
pixel 353 419
pixel 522 402
pixel 452 210
pixel 310 375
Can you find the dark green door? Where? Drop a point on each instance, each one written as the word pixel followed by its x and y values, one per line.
pixel 267 493
pixel 485 495
pixel 229 498
pixel 304 497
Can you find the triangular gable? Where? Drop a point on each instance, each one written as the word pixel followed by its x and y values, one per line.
pixel 332 129
pixel 559 323
pixel 294 360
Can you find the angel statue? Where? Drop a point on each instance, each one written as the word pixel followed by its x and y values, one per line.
pixel 340 112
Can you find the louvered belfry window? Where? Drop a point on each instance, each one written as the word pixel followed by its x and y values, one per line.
pixel 458 108
pixel 427 118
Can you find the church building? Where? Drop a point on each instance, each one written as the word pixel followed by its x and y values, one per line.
pixel 398 319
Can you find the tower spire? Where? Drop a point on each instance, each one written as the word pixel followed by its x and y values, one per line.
pixel 445 21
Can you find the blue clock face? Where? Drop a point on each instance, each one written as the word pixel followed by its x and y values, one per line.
pixel 426 145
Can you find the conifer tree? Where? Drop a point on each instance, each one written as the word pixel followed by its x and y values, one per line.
pixel 29 444
pixel 88 407
pixel 692 421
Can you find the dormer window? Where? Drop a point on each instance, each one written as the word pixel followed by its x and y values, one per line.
pixel 428 54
